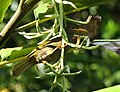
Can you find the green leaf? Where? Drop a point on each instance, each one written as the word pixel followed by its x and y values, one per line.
pixel 4 4
pixel 23 52
pixel 11 55
pixel 17 52
pixel 42 8
pixel 4 53
pixel 110 89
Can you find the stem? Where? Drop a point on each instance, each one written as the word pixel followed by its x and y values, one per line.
pixel 106 40
pixel 61 32
pixel 71 74
pixel 31 24
pixel 9 29
pixel 54 84
pixel 2 63
pixel 62 56
pixel 13 19
pixel 25 10
pixel 47 37
pixel 62 50
pixel 55 8
pixel 80 22
pixel 64 86
pixel 55 18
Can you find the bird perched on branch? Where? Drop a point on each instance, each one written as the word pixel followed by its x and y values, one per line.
pixel 50 52
pixel 89 29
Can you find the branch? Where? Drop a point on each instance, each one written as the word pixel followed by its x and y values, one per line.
pixel 13 19
pixel 7 32
pixel 31 24
pixel 9 29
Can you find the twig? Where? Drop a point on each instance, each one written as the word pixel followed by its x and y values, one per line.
pixel 4 36
pixel 2 63
pixel 13 19
pixel 106 40
pixel 61 31
pixel 9 29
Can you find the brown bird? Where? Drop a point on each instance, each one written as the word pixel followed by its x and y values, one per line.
pixel 49 52
pixel 89 29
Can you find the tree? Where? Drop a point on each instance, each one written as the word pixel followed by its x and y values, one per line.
pixel 56 38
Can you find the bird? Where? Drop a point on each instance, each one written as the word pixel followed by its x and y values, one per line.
pixel 50 52
pixel 89 29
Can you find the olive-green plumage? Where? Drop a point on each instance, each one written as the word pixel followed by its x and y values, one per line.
pixel 49 52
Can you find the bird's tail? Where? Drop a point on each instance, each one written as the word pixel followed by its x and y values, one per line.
pixel 22 66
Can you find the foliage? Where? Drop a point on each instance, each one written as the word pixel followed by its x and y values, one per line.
pixel 98 65
pixel 110 89
pixel 3 7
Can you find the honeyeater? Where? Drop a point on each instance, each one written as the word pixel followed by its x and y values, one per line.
pixel 90 29
pixel 49 52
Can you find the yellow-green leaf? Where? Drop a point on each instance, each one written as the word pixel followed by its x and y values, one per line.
pixel 4 4
pixel 4 53
pixel 110 89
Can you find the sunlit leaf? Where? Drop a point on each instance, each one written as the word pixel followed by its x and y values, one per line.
pixel 23 52
pixel 110 89
pixel 17 52
pixel 4 53
pixel 4 4
pixel 11 55
pixel 42 8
